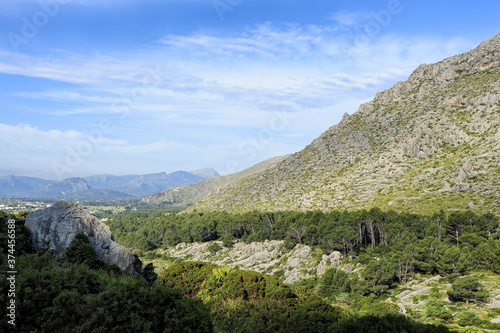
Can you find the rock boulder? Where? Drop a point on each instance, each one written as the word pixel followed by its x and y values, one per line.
pixel 53 229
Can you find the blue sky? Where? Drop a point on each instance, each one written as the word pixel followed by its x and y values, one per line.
pixel 141 86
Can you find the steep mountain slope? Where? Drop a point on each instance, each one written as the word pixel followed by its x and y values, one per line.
pixel 428 143
pixel 188 195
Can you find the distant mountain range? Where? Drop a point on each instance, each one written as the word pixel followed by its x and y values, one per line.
pixel 100 187
pixel 184 196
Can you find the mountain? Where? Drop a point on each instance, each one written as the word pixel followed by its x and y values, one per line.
pixel 429 143
pixel 206 173
pixel 143 185
pixel 17 186
pixel 98 194
pixel 100 187
pixel 63 188
pixel 188 195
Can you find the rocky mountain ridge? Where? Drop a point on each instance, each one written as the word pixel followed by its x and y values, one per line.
pixel 205 173
pixel 19 186
pixel 143 185
pixel 428 143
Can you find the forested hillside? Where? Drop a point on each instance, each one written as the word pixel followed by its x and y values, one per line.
pixel 392 262
pixel 440 243
pixel 80 293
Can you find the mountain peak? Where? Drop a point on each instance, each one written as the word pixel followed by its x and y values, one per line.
pixel 205 172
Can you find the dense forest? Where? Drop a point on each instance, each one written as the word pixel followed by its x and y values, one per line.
pixel 444 243
pixel 80 293
pixel 460 248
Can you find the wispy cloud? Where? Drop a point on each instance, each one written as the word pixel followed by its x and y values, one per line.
pixel 349 19
pixel 265 40
pixel 198 93
pixel 315 67
pixel 27 138
pixel 292 135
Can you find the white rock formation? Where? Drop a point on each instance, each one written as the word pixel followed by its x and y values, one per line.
pixel 53 229
pixel 264 257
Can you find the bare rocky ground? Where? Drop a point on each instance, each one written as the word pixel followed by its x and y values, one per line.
pixel 263 257
pixel 271 257
pixel 420 289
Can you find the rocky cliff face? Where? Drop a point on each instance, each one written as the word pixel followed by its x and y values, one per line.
pixel 428 143
pixel 53 229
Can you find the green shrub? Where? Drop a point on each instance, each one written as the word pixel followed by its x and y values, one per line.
pixel 78 299
pixel 246 301
pixel 436 309
pixel 228 241
pixel 333 281
pixel 468 318
pixel 80 251
pixel 468 289
pixel 387 323
pixel 214 248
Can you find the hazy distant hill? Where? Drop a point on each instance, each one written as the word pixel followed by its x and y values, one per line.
pixel 143 185
pixel 18 186
pixel 100 187
pixel 188 195
pixel 205 173
pixel 97 194
pixel 63 188
pixel 428 143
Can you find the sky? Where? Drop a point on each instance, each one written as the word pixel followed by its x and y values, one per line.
pixel 143 86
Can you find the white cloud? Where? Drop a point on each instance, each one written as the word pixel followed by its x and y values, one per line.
pixel 26 138
pixel 267 60
pixel 265 40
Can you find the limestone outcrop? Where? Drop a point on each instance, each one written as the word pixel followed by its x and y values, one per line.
pixel 53 229
pixel 264 257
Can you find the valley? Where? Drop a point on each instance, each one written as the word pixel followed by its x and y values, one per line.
pixel 389 221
